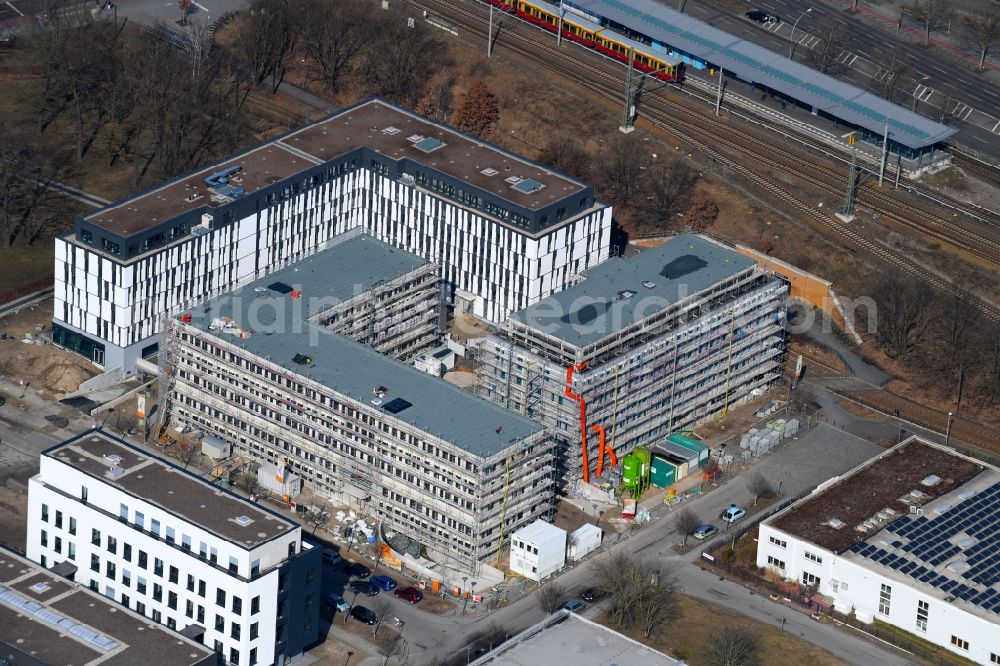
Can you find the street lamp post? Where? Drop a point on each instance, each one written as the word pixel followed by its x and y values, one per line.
pixel 947 434
pixel 791 49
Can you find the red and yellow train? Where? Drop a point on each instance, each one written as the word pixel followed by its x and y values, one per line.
pixel 595 36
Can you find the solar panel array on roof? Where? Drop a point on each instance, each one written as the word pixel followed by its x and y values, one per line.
pixel 961 543
pixel 756 64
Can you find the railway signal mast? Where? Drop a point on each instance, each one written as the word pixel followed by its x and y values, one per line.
pixel 628 119
pixel 847 213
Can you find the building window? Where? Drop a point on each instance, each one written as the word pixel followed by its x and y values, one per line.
pixel 213 556
pixel 960 643
pixel 157 616
pixel 237 605
pixel 158 567
pixel 171 623
pixel 235 631
pixel 234 656
pixel 95 537
pixel 140 585
pixel 170 535
pixel 123 513
pixel 220 597
pixel 143 560
pixel 72 550
pixel 154 526
pixel 72 525
pixel 127 552
pixel 126 578
pixel 95 563
pixel 157 592
pixel 218 646
pixel 190 583
pixel 172 600
pixel 775 562
pixel 201 615
pixel 185 542
pixel 45 539
pixel 109 570
pixel 922 611
pixel 253 656
pixel 125 600
pixel 83 494
pixel 45 512
pixel 254 568
pixel 254 630
pixel 220 623
pixel 59 519
pixel 885 597
pixel 255 605
pixel 233 564
pixel 140 520
pixel 189 608
pixel 813 558
pixel 112 545
pixel 994 658
pixel 310 575
pixel 780 543
pixel 809 579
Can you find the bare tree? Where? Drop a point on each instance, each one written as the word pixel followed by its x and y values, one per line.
pixel 334 33
pixel 490 636
pixel 247 480
pixel 890 68
pixel 930 15
pixel 636 593
pixel 666 195
pixel 188 452
pixel 185 6
pixel 982 29
pixel 389 644
pixel 988 387
pixel 904 313
pixel 759 486
pixel 734 646
pixel 316 518
pixel 398 57
pixel 829 54
pixel 265 39
pixel 567 155
pixel 437 99
pixel 703 211
pixel 551 597
pixel 27 203
pixel 382 608
pixel 686 521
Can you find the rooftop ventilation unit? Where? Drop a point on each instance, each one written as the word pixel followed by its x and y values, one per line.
pixel 917 494
pixel 957 565
pixel 513 180
pixel 648 284
pixel 243 521
pixel 302 359
pixel 931 481
pixel 113 459
pixel 489 171
pixel 627 293
pixel 413 138
pixel 115 473
pixel 836 523
pixel 391 130
pixel 39 588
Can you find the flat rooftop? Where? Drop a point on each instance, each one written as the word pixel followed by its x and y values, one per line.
pixel 382 127
pixel 620 292
pixel 61 623
pixel 568 638
pixel 178 492
pixel 280 330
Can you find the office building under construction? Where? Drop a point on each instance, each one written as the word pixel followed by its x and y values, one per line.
pixel 261 368
pixel 640 348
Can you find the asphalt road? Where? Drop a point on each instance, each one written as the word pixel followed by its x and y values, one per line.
pixel 931 80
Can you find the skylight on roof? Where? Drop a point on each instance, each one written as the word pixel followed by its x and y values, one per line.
pixel 280 287
pixel 243 521
pixel 528 186
pixel 390 130
pixel 489 171
pixel 429 145
pixel 413 138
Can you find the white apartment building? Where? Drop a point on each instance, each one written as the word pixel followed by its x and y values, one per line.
pixel 911 538
pixel 176 549
pixel 503 232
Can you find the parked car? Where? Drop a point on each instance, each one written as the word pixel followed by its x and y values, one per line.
pixel 705 532
pixel 592 594
pixel 338 602
pixel 362 614
pixel 761 16
pixel 357 569
pixel 384 583
pixel 733 513
pixel 364 587
pixel 411 594
pixel 331 557
pixel 574 605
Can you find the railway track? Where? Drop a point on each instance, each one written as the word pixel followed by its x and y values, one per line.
pixel 664 115
pixel 978 167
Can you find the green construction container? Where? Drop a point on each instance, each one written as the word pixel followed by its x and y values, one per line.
pixel 692 445
pixel 664 472
pixel 631 476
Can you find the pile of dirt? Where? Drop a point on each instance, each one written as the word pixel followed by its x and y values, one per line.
pixel 58 374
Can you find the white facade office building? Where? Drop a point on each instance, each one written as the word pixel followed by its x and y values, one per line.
pixel 910 538
pixel 504 232
pixel 174 548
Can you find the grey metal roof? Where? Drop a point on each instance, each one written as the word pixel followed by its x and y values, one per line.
pixel 600 305
pixel 280 331
pixel 756 64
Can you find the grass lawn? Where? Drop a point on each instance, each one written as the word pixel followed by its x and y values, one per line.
pixel 689 635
